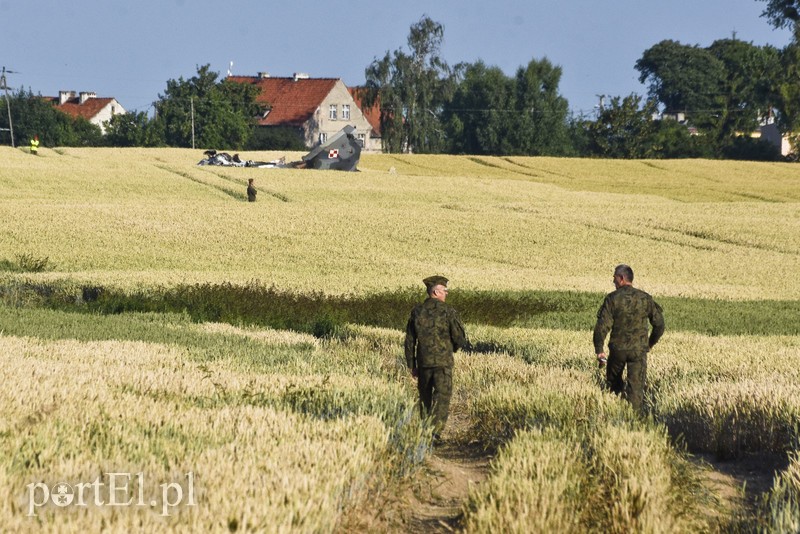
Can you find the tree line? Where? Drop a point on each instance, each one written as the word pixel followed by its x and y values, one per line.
pixel 700 102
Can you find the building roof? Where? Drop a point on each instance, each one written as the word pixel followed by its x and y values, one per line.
pixel 292 101
pixel 373 114
pixel 88 110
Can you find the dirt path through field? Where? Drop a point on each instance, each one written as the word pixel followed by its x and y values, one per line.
pixel 440 493
pixel 431 501
pixel 738 484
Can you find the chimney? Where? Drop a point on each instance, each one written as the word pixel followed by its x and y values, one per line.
pixel 86 95
pixel 263 74
pixel 300 76
pixel 63 96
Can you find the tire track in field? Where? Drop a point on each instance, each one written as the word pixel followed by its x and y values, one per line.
pixel 233 194
pixel 416 165
pixel 532 174
pixel 517 164
pixel 734 194
pixel 279 196
pixel 688 234
pixel 725 241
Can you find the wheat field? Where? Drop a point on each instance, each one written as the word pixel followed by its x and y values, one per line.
pixel 202 425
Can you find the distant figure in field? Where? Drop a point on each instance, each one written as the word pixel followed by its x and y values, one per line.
pixel 35 145
pixel 251 191
pixel 626 313
pixel 433 333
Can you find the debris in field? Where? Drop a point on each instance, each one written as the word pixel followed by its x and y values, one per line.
pixel 341 153
pixel 226 160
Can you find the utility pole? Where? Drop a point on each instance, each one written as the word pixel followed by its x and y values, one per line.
pixel 191 101
pixel 8 103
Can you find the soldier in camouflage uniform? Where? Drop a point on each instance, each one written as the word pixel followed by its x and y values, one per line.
pixel 434 332
pixel 626 312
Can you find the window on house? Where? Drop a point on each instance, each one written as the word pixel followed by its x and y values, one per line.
pixel 345 112
pixel 323 137
pixel 332 112
pixel 362 139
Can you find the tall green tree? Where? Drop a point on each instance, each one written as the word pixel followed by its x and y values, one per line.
pixel 411 89
pixel 685 79
pixel 747 94
pixel 725 90
pixel 491 113
pixel 479 117
pixel 541 112
pixel 222 112
pixel 787 86
pixel 624 129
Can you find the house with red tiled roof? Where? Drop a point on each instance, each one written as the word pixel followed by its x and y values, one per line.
pixel 86 105
pixel 372 114
pixel 317 107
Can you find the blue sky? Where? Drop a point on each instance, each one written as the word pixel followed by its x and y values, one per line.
pixel 128 49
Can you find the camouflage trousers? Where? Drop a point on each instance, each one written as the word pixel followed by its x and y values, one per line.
pixel 435 386
pixel 633 388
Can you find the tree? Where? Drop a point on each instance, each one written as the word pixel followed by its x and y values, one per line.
pixel 672 139
pixel 411 89
pixel 34 115
pixel 276 138
pixel 84 133
pixel 623 129
pixel 782 13
pixel 223 112
pixel 787 87
pixel 725 90
pixel 684 79
pixel 133 129
pixel 491 113
pixel 478 119
pixel 747 94
pixel 540 121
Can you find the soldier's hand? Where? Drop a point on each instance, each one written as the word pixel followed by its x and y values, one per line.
pixel 415 372
pixel 601 359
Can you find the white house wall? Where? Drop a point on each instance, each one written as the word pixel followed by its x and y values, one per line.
pixel 321 123
pixel 105 114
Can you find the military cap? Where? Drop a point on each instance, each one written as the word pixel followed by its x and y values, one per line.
pixel 435 281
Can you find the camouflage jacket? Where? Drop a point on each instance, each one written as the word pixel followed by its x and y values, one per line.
pixel 434 332
pixel 626 312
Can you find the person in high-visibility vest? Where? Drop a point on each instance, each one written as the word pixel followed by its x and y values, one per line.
pixel 35 145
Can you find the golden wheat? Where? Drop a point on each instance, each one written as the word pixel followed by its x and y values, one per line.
pixel 152 217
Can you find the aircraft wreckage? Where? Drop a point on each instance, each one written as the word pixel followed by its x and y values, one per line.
pixel 340 153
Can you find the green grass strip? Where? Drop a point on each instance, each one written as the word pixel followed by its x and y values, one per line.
pixel 322 314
